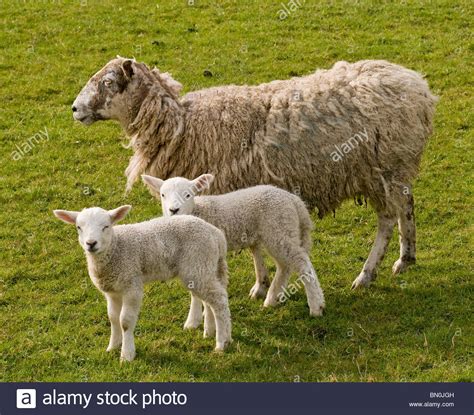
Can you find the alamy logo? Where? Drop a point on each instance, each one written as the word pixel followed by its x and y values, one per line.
pixel 26 398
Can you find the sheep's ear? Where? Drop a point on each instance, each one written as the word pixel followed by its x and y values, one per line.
pixel 118 214
pixel 66 216
pixel 127 67
pixel 203 182
pixel 153 183
pixel 174 86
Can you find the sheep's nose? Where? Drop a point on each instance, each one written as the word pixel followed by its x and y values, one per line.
pixel 91 244
pixel 174 211
pixel 74 108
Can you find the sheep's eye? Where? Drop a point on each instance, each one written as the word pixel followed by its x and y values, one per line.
pixel 162 195
pixel 187 196
pixel 107 82
pixel 78 228
pixel 104 228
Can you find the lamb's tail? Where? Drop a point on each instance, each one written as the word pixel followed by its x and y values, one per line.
pixel 222 273
pixel 306 224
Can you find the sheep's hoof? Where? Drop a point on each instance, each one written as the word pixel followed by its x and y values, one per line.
pixel 363 280
pixel 258 291
pixel 401 265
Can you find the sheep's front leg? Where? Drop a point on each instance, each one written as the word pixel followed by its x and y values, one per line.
pixel 195 313
pixel 132 301
pixel 259 290
pixel 114 307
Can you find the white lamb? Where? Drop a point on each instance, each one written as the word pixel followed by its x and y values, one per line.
pixel 260 217
pixel 121 259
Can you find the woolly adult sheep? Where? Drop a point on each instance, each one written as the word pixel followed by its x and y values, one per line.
pixel 121 259
pixel 355 129
pixel 259 217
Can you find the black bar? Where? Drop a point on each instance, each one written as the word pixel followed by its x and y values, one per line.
pixel 241 398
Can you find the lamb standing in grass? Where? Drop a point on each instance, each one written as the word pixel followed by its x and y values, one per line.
pixel 121 259
pixel 258 217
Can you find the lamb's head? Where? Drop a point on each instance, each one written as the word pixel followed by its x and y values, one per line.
pixel 94 226
pixel 117 91
pixel 177 194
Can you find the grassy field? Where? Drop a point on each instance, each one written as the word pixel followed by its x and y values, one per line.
pixel 53 327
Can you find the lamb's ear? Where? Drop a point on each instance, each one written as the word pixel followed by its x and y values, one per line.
pixel 118 214
pixel 174 86
pixel 154 183
pixel 127 67
pixel 203 182
pixel 66 216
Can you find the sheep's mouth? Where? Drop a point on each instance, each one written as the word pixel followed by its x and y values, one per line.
pixel 92 250
pixel 86 119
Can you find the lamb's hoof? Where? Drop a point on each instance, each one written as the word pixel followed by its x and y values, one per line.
pixel 363 280
pixel 401 265
pixel 190 325
pixel 113 347
pixel 221 346
pixel 270 302
pixel 127 356
pixel 316 312
pixel 258 291
pixel 209 333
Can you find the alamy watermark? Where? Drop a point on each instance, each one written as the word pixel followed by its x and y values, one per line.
pixel 349 145
pixel 29 144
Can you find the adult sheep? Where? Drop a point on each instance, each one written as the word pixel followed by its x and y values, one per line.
pixel 355 129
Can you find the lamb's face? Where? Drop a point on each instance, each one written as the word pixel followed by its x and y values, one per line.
pixel 94 226
pixel 177 194
pixel 107 94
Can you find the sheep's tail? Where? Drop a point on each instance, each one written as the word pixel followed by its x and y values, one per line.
pixel 222 274
pixel 306 224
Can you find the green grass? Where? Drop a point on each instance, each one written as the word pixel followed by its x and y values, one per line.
pixel 53 327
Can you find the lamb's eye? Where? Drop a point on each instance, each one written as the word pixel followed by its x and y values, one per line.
pixel 104 228
pixel 107 82
pixel 187 196
pixel 162 195
pixel 78 228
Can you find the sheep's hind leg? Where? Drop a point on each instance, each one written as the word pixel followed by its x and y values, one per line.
pixel 195 313
pixel 386 223
pixel 407 232
pixel 259 290
pixel 114 307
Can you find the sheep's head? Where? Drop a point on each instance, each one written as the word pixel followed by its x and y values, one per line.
pixel 117 91
pixel 94 225
pixel 177 194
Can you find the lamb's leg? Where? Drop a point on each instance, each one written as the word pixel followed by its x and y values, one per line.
pixel 384 233
pixel 275 294
pixel 128 319
pixel 114 307
pixel 314 293
pixel 407 232
pixel 215 296
pixel 209 321
pixel 259 290
pixel 195 313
